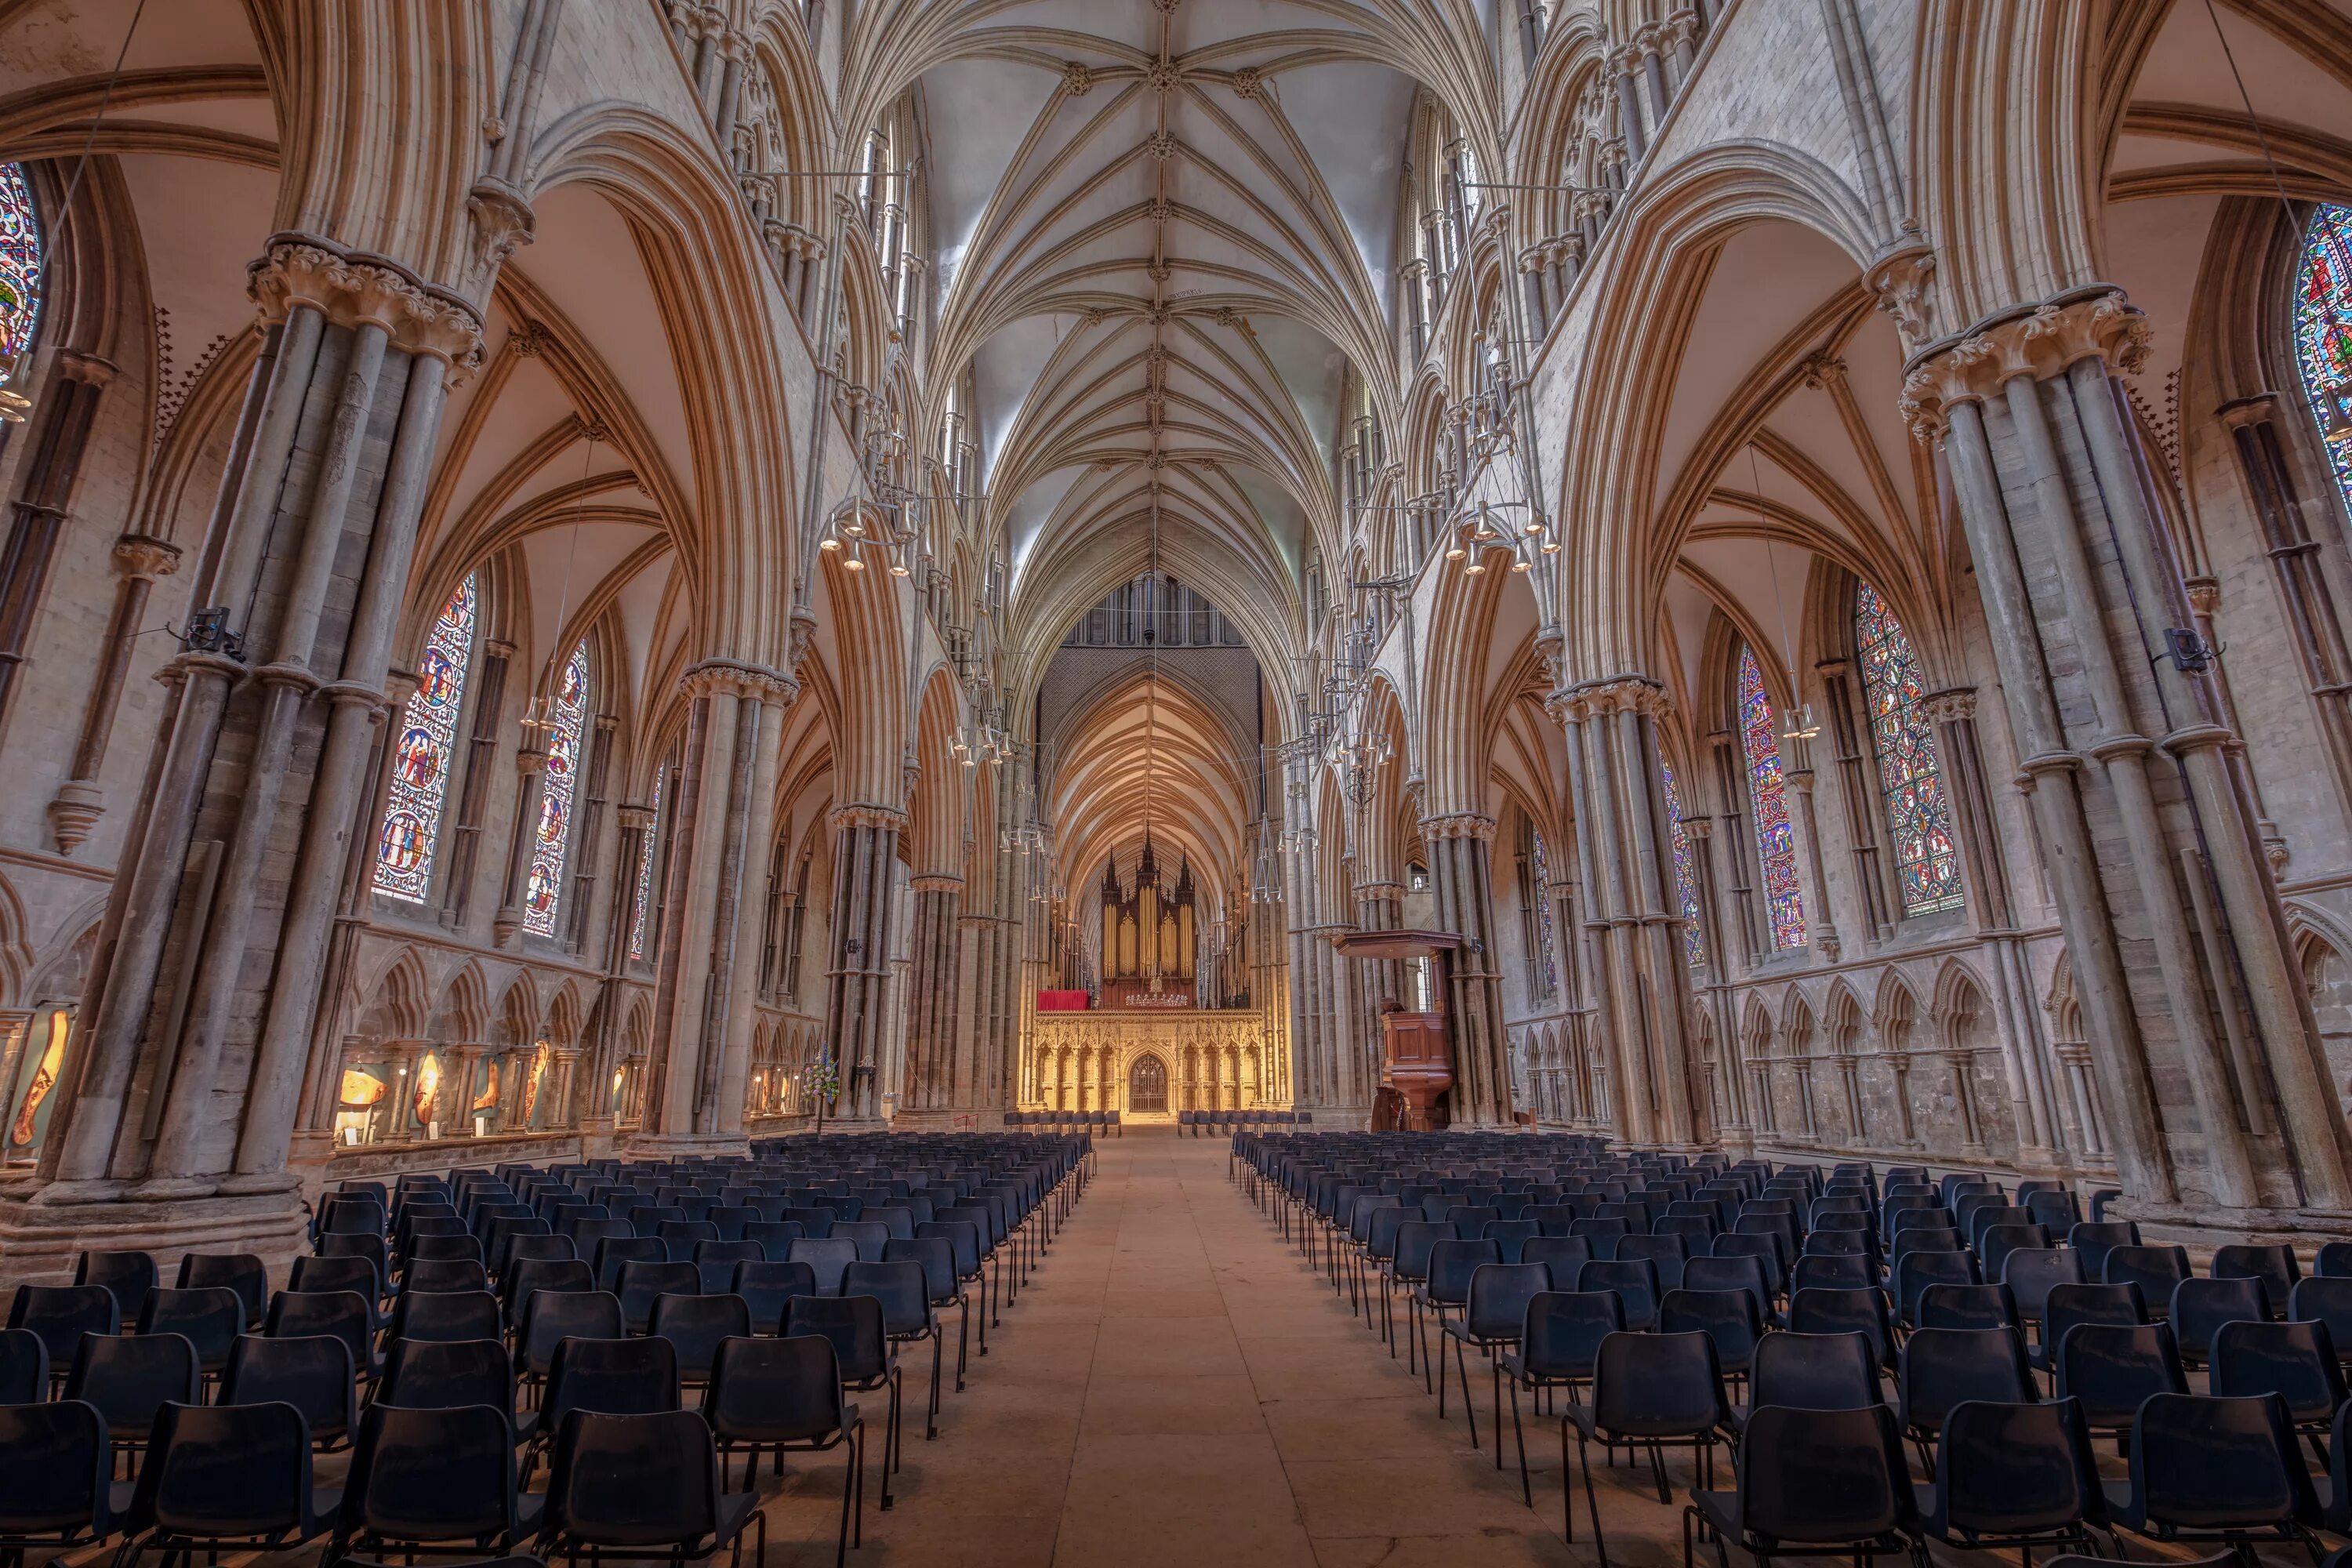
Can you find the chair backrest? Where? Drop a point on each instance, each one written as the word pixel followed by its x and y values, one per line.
pixel 695 1324
pixel 421 1374
pixel 1765 1250
pixel 24 1367
pixel 1729 1317
pixel 1746 1272
pixel 525 1280
pixel 343 1313
pixel 2199 1461
pixel 2199 1307
pixel 1918 1270
pixel 716 1261
pixel 1967 1307
pixel 2296 1361
pixel 357 1275
pixel 58 1462
pixel 1499 1294
pixel 1854 1310
pixel 615 1253
pixel 1658 1385
pixel 313 1374
pixel 447 1315
pixel 776 1390
pixel 430 1474
pixel 429 1275
pixel 1635 1280
pixel 1815 1371
pixel 215 1470
pixel 2005 1470
pixel 829 1257
pixel 2325 1299
pixel 935 1255
pixel 1832 1272
pixel 129 1379
pixel 1824 1476
pixel 2273 1266
pixel 869 1238
pixel 61 1314
pixel 127 1275
pixel 1416 1239
pixel 554 1316
pixel 2095 1240
pixel 2334 1260
pixel 622 1376
pixel 211 1317
pixel 2033 1272
pixel 1942 1367
pixel 1451 1265
pixel 2113 1367
pixel 853 1324
pixel 632 1480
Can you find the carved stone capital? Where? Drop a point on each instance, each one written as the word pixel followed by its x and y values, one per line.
pixel 633 816
pixel 1953 705
pixel 1458 824
pixel 2204 593
pixel 2238 413
pixel 1900 279
pixel 349 288
pixel 75 813
pixel 143 555
pixel 1382 892
pixel 2039 343
pixel 1820 372
pixel 933 882
pixel 502 219
pixel 716 676
pixel 1613 694
pixel 866 813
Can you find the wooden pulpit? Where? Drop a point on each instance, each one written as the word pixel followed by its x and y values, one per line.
pixel 1416 1047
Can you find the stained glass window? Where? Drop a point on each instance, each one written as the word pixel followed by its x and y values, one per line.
pixel 564 714
pixel 644 897
pixel 1776 837
pixel 1926 866
pixel 1548 964
pixel 421 757
pixel 20 263
pixel 1686 874
pixel 2323 332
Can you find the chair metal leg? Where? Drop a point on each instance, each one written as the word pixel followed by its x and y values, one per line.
pixel 1441 1364
pixel 964 1337
pixel 931 1430
pixel 1591 1498
pixel 1494 1374
pixel 1519 1435
pixel 1469 1405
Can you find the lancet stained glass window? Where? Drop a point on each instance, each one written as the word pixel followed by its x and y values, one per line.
pixel 553 839
pixel 1926 866
pixel 2323 332
pixel 1546 960
pixel 421 756
pixel 1686 874
pixel 20 263
pixel 1776 837
pixel 645 895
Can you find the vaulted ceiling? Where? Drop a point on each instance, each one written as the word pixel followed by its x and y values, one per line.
pixel 1163 231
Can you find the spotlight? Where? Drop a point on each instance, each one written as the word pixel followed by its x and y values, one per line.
pixel 1455 552
pixel 828 543
pixel 1518 566
pixel 852 563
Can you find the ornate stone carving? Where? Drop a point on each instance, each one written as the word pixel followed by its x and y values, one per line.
pixel 930 883
pixel 143 555
pixel 2041 343
pixel 1458 824
pixel 1163 78
pixel 1161 144
pixel 713 676
pixel 302 269
pixel 1078 78
pixel 1249 82
pixel 1900 279
pixel 866 813
pixel 1953 705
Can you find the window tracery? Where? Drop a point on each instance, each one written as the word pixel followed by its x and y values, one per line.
pixel 1768 792
pixel 1926 864
pixel 422 754
pixel 20 264
pixel 2323 333
pixel 553 837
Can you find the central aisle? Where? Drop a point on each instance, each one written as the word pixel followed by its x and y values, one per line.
pixel 1176 1386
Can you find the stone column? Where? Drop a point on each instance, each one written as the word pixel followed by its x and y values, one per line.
pixel 933 1001
pixel 589 1106
pixel 1624 850
pixel 1984 874
pixel 2080 590
pixel 1461 867
pixel 530 787
pixel 78 803
pixel 858 977
pixel 1821 930
pixel 707 984
pixel 201 1001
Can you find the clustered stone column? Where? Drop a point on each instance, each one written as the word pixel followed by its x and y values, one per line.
pixel 707 979
pixel 932 995
pixel 79 803
pixel 858 977
pixel 2178 942
pixel 1625 848
pixel 1461 873
pixel 199 1012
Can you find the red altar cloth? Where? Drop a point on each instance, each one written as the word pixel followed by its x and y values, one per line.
pixel 1061 1000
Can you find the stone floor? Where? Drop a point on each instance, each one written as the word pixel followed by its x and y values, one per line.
pixel 1178 1387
